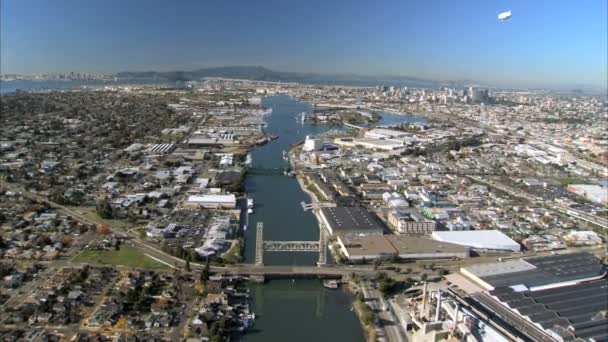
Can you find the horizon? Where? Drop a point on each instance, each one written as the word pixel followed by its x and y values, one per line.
pixel 433 41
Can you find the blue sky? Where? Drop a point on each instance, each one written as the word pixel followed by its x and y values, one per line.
pixel 547 42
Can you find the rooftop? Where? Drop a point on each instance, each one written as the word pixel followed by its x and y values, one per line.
pixel 351 218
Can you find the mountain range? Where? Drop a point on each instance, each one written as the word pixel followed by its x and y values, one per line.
pixel 259 73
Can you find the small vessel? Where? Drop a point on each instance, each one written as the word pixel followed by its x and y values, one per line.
pixel 250 211
pixel 330 284
pixel 244 227
pixel 274 137
pixel 250 203
pixel 248 160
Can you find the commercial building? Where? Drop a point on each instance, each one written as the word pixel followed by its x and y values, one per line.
pixel 410 221
pixel 370 143
pixel 479 95
pixel 357 248
pixel 312 144
pixel 211 201
pixel 351 221
pixel 383 133
pixel 592 192
pixel 478 239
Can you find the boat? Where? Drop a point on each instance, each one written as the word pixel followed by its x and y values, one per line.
pixel 250 211
pixel 330 284
pixel 244 227
pixel 250 203
pixel 248 160
pixel 274 137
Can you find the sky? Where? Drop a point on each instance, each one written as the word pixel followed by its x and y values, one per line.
pixel 546 42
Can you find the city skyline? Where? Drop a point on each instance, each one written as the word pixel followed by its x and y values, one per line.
pixel 435 41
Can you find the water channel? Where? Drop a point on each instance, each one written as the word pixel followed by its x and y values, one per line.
pixel 300 310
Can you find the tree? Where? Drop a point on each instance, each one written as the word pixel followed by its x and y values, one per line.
pixel 104 209
pixel 188 263
pixel 67 240
pixel 205 272
pixel 104 229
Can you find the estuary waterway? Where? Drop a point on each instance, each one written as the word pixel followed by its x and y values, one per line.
pixel 299 310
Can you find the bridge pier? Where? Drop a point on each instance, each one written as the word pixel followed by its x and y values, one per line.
pixel 259 244
pixel 322 246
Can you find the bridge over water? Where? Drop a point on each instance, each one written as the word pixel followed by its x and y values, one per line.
pixel 262 246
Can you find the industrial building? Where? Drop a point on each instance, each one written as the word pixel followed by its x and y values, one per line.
pixel 311 144
pixel 552 298
pixel 478 239
pixel 370 143
pixel 211 201
pixel 591 192
pixel 351 221
pixel 410 221
pixel 383 133
pixel 357 248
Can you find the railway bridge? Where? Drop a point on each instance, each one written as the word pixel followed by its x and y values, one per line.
pixel 262 246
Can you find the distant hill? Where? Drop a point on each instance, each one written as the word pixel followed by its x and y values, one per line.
pixel 259 73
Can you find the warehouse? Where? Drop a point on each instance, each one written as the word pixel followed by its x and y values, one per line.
pixel 559 297
pixel 358 248
pixel 351 221
pixel 211 201
pixel 478 239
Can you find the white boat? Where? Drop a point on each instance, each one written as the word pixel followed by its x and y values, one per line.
pixel 250 211
pixel 330 284
pixel 250 203
pixel 244 227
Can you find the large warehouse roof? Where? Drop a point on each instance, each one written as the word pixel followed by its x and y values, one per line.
pixel 480 239
pixel 575 309
pixel 351 218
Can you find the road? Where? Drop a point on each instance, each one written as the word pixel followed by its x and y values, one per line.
pixel 391 328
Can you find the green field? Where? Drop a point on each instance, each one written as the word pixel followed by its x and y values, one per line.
pixel 126 256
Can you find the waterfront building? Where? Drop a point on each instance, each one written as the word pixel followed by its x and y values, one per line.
pixel 478 239
pixel 211 201
pixel 351 221
pixel 358 248
pixel 311 144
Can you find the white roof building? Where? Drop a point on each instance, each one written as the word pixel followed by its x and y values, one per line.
pixel 212 201
pixel 479 239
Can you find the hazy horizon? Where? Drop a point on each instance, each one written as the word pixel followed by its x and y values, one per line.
pixel 546 43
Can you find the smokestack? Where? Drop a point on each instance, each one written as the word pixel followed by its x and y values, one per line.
pixel 456 315
pixel 438 310
pixel 423 300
